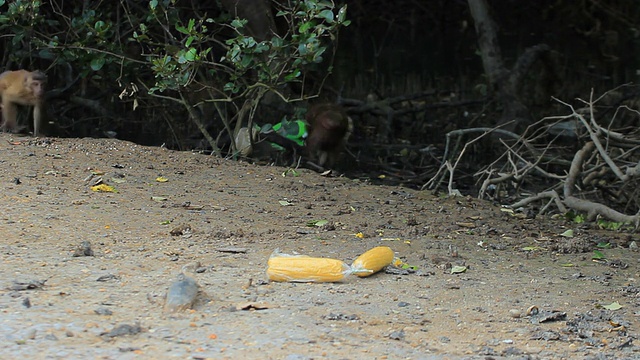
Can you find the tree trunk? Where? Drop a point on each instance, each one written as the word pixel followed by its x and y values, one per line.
pixel 503 83
pixel 488 43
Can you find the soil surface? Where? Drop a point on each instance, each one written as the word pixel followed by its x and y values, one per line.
pixel 85 273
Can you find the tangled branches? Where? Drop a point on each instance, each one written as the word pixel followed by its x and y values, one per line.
pixel 599 177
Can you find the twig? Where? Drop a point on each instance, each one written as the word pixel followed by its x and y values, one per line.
pixel 433 183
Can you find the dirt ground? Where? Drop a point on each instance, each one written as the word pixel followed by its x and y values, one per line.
pixel 527 293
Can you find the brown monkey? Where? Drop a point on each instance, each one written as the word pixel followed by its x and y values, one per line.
pixel 21 87
pixel 329 129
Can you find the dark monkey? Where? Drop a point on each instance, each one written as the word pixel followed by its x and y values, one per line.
pixel 329 129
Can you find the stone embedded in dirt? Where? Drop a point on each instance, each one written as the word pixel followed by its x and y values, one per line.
pixel 397 271
pixel 617 264
pixel 191 267
pixel 487 351
pixel 84 249
pixel 545 316
pixel 547 336
pixel 129 349
pixel 30 334
pixel 103 311
pixel 511 351
pixel 397 335
pixel 182 294
pixel 340 316
pixel 184 229
pixel 19 285
pixel 515 313
pixel 122 330
pixel 425 272
pixel 235 250
pixel 252 305
pixel 108 277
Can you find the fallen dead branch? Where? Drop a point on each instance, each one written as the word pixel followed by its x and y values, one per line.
pixel 600 179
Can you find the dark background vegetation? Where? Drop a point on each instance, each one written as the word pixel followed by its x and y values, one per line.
pixel 408 72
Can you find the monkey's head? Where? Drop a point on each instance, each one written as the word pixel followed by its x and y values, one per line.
pixel 329 129
pixel 36 81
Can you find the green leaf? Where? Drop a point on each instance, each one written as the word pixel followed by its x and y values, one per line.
pixel 603 245
pixel 568 233
pixel 342 14
pixel 613 306
pixel 304 28
pixel 327 15
pixel 408 267
pixel 317 223
pixel 302 49
pixel 285 203
pixel 97 63
pixel 182 29
pixel 246 61
pixel 276 42
pixel 191 55
pixel 292 76
pixel 238 23
pixel 458 269
pixel 598 255
pixel 46 54
pixel 17 38
pixel 153 4
pixel 100 25
pixel 261 47
pixel 230 86
pixel 290 171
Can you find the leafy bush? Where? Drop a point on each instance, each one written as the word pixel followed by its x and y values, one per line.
pixel 129 63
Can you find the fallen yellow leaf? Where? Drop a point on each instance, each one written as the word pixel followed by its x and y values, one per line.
pixel 103 188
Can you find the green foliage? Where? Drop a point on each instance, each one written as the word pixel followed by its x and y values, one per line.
pixel 175 65
pixel 610 225
pixel 598 255
pixel 149 55
pixel 248 62
pixel 17 21
pixel 575 217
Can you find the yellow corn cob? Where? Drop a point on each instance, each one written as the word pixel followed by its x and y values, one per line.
pixel 301 268
pixel 372 261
